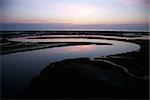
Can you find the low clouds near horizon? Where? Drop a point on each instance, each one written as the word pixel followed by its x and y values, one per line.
pixel 74 11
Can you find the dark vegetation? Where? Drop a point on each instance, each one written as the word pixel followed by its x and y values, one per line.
pixel 82 78
pixel 139 62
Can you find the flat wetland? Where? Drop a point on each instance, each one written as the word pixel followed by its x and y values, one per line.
pixel 81 72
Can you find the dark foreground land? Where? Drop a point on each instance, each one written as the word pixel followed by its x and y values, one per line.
pixel 85 78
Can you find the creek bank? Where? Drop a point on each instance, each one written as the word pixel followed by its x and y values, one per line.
pixel 83 78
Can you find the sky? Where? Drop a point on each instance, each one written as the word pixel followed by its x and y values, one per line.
pixel 74 11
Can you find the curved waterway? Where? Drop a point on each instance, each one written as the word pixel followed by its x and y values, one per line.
pixel 19 68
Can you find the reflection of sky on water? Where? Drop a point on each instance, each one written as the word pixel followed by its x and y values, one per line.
pixel 19 68
pixel 82 49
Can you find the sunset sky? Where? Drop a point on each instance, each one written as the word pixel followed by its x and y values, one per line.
pixel 74 11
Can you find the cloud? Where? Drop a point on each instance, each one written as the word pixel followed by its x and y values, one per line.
pixel 76 10
pixel 139 2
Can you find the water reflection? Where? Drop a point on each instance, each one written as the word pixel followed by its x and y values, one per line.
pixel 19 68
pixel 84 48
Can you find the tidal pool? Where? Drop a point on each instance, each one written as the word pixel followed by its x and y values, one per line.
pixel 19 68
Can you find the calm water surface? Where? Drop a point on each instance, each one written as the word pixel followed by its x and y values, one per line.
pixel 19 68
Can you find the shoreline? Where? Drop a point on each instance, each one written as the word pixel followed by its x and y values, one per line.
pixel 50 45
pixel 27 46
pixel 135 62
pixel 85 78
pixel 132 85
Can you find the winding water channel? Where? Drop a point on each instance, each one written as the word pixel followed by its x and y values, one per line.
pixel 19 68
